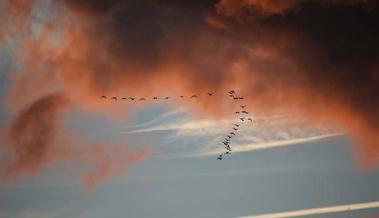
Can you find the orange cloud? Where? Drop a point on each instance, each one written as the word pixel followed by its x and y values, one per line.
pixel 31 134
pixel 215 22
pixel 260 8
pixel 36 140
pixel 114 49
pixel 108 165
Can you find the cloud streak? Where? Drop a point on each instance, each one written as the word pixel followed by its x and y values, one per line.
pixel 206 125
pixel 240 148
pixel 317 211
pixel 268 132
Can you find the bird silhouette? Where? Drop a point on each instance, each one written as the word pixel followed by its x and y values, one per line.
pixel 114 98
pixel 235 128
pixel 229 136
pixel 240 98
pixel 245 112
pixel 210 94
pixel 142 99
pixel 235 98
pixel 220 157
pixel 155 98
pixel 181 96
pixel 231 92
pixel 242 119
pixel 251 120
pixel 166 97
pixel 227 152
pixel 237 112
pixel 103 96
pixel 243 106
pixel 123 98
pixel 232 133
pixel 194 96
pixel 237 125
pixel 131 98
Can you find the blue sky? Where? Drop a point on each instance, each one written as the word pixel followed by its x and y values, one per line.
pixel 178 182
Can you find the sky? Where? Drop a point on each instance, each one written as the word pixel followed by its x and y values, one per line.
pixel 306 72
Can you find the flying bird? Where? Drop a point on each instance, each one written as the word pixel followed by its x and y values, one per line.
pixel 131 98
pixel 235 128
pixel 103 96
pixel 235 98
pixel 227 152
pixel 237 112
pixel 142 99
pixel 251 120
pixel 166 97
pixel 242 119
pixel 229 136
pixel 123 98
pixel 220 157
pixel 237 125
pixel 232 133
pixel 231 92
pixel 245 112
pixel 194 96
pixel 240 98
pixel 181 96
pixel 155 98
pixel 243 106
pixel 114 98
pixel 210 94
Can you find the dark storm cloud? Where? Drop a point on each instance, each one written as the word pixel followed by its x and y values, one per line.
pixel 338 61
pixel 346 37
pixel 145 38
pixel 298 53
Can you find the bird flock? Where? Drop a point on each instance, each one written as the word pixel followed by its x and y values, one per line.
pixel 115 98
pixel 242 114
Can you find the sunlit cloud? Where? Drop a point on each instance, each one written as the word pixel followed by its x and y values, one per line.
pixel 143 127
pixel 182 125
pixel 266 132
pixel 271 144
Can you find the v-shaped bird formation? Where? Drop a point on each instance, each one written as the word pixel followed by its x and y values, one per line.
pixel 242 118
pixel 243 114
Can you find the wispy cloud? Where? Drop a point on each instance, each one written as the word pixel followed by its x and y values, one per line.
pixel 270 144
pixel 316 211
pixel 151 123
pixel 181 125
pixel 185 123
pixel 268 132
